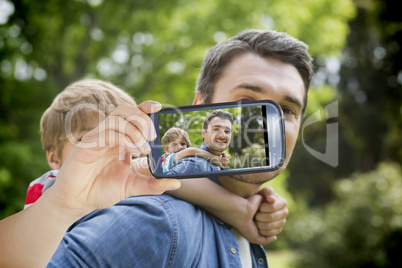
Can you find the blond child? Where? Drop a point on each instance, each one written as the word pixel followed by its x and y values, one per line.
pixel 79 108
pixel 176 144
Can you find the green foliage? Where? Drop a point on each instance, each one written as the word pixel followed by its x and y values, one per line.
pixel 368 94
pixel 152 49
pixel 316 189
pixel 361 228
pixel 370 88
pixel 314 20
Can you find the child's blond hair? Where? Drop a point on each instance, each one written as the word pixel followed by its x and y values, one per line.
pixel 173 134
pixel 74 109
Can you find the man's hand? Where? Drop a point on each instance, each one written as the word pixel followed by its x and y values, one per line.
pixel 98 173
pixel 271 215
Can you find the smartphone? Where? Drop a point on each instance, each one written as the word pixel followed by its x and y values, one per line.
pixel 217 139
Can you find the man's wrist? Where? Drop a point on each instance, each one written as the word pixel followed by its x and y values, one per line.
pixel 64 212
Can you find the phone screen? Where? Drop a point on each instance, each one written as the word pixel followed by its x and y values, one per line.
pixel 212 139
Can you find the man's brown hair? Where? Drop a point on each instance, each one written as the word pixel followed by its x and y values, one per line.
pixel 217 113
pixel 267 44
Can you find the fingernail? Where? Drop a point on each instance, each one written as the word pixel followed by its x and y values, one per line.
pixel 155 106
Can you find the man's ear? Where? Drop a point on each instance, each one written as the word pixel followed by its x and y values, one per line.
pixel 198 99
pixel 53 160
pixel 203 133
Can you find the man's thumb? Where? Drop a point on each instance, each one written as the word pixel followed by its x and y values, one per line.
pixel 163 185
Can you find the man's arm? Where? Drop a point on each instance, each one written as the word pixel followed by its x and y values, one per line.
pixel 237 211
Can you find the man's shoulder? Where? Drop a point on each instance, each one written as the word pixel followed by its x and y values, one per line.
pixel 157 217
pixel 194 161
pixel 136 231
pixel 143 230
pixel 140 209
pixel 160 202
pixel 142 215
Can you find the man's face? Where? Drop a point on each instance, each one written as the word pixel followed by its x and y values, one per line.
pixel 218 134
pixel 251 77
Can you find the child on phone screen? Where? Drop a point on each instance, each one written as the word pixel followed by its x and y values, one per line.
pixel 176 144
pixel 80 107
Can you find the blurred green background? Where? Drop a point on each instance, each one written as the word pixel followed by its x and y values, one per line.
pixel 347 214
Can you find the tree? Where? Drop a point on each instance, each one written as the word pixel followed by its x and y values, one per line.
pixel 361 228
pixel 369 91
pixel 152 49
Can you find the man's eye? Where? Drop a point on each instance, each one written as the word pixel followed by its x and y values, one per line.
pixel 245 98
pixel 288 111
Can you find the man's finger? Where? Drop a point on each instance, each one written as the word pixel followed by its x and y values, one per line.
pixel 278 205
pixel 149 107
pixel 162 185
pixel 136 117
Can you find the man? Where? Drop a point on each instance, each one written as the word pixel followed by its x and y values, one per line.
pixel 164 231
pixel 216 133
pixel 258 65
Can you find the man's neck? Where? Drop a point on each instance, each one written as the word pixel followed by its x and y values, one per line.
pixel 242 189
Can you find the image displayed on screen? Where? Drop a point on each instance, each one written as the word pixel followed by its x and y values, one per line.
pixel 211 140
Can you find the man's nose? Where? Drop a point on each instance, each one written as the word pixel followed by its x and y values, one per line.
pixel 222 134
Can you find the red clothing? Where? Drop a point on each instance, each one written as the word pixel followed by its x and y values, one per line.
pixel 38 186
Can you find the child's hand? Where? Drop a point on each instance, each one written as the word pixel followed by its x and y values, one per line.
pixel 214 159
pixel 98 173
pixel 245 224
pixel 271 215
pixel 263 217
pixel 224 160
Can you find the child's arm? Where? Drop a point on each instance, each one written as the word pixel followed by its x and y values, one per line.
pixel 232 209
pixel 258 218
pixel 192 151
